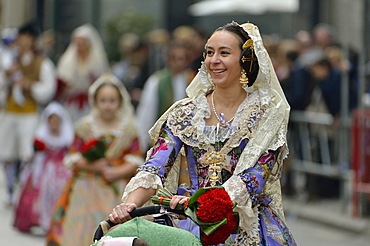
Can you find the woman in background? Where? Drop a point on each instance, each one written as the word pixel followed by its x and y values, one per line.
pixel 84 60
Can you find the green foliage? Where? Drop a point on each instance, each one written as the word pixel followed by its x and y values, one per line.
pixel 127 22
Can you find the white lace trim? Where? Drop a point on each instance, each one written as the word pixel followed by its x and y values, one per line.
pixel 187 121
pixel 209 134
pixel 238 193
pixel 205 86
pixel 142 179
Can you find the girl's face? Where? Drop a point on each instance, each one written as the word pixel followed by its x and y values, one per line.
pixel 54 122
pixel 108 101
pixel 222 58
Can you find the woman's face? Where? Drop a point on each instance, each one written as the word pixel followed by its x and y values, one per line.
pixel 108 101
pixel 83 46
pixel 222 58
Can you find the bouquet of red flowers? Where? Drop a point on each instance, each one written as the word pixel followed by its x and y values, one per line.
pixel 38 145
pixel 94 150
pixel 211 209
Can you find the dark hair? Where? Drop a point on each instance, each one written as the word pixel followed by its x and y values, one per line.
pixel 109 84
pixel 30 28
pixel 251 67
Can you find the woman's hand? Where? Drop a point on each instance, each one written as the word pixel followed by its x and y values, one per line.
pixel 110 173
pixel 95 166
pixel 121 213
pixel 178 200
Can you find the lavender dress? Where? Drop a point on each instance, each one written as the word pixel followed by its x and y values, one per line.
pixel 272 229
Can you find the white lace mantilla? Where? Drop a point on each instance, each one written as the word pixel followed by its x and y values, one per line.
pixel 199 134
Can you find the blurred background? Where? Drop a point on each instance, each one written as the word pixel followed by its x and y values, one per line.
pixel 326 181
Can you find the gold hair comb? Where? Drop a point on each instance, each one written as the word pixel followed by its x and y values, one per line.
pixel 248 43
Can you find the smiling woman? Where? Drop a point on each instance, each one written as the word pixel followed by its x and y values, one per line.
pixel 232 131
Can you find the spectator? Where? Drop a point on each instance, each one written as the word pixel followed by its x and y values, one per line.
pixel 79 66
pixel 32 85
pixel 162 89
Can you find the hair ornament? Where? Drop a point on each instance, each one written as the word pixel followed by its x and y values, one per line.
pixel 248 43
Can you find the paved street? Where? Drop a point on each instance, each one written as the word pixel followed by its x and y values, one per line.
pixel 306 233
pixel 8 235
pixel 309 233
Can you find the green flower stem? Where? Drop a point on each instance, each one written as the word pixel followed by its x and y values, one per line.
pixel 115 189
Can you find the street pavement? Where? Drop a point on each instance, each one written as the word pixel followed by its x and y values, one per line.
pixel 317 224
pixel 8 235
pixel 326 223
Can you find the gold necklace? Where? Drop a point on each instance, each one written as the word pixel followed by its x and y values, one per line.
pixel 214 109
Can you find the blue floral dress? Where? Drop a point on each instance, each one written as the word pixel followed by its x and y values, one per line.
pixel 230 140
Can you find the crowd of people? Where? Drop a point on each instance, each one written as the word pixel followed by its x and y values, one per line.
pixel 57 116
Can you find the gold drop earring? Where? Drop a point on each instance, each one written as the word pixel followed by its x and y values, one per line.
pixel 244 79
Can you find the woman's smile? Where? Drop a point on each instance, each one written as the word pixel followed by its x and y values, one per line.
pixel 218 72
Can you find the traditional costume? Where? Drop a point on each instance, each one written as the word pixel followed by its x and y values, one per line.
pixel 44 177
pixel 87 197
pixel 246 155
pixel 76 75
pixel 19 117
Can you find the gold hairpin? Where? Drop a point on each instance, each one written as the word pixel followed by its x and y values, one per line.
pixel 248 43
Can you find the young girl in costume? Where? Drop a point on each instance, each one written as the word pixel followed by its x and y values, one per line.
pixel 232 130
pixel 104 156
pixel 44 178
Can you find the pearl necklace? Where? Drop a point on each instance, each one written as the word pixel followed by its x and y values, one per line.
pixel 214 109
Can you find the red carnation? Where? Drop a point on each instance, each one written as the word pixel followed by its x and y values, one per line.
pixel 212 210
pixel 222 233
pixel 213 205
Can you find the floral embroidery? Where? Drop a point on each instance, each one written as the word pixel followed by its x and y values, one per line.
pixel 160 145
pixel 256 177
pixel 164 143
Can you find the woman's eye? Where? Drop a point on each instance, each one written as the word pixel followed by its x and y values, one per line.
pixel 225 52
pixel 209 52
